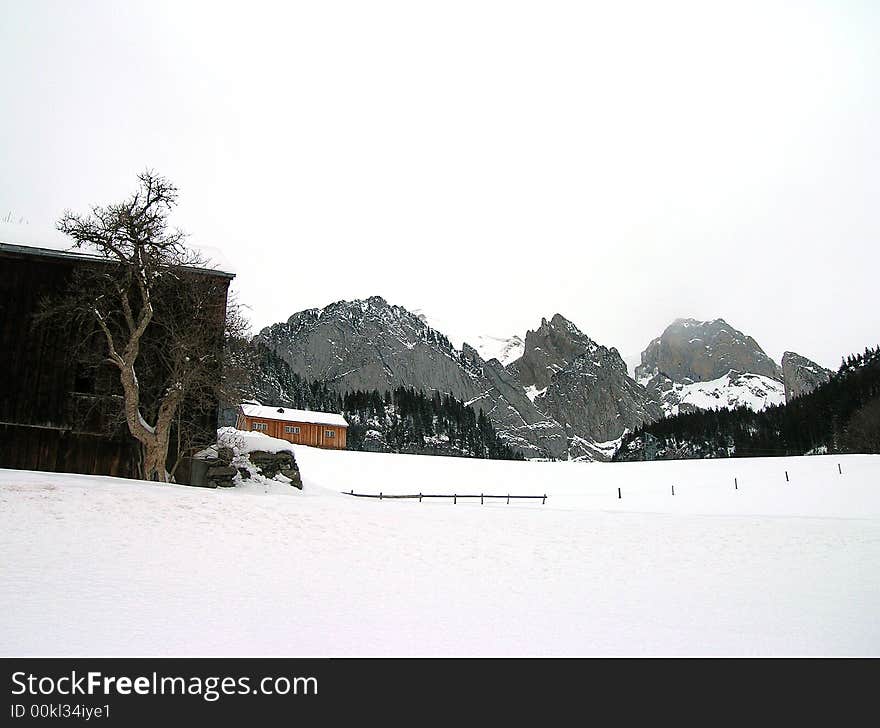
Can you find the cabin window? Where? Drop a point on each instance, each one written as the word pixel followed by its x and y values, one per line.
pixel 291 429
pixel 329 433
pixel 261 426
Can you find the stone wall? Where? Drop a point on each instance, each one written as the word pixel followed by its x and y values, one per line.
pixel 221 470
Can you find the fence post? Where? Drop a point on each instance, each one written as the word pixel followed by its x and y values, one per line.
pixel 786 476
pixel 619 496
pixel 481 499
pixel 735 484
pixel 380 495
pixel 673 490
pixel 508 499
pixel 420 497
pixel 838 469
pixel 544 499
pixel 454 499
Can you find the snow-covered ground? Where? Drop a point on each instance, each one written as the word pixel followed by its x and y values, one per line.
pixel 104 566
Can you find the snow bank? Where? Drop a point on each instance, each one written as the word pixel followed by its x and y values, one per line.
pixel 242 442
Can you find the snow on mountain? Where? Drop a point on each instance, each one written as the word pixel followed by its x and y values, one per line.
pixel 734 389
pixel 504 349
pixel 707 365
pixel 554 393
pixel 105 566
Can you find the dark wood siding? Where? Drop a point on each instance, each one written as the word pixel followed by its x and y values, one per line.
pixel 42 426
pixel 65 451
pixel 34 378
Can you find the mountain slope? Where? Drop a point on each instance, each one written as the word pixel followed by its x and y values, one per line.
pixel 707 364
pixel 801 375
pixel 582 385
pixel 700 351
pixel 556 393
pixel 371 344
pixel 842 415
pixel 734 389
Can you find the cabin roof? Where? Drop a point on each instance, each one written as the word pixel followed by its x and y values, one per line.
pixel 47 243
pixel 285 414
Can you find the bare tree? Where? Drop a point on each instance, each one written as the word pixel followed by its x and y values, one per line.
pixel 160 318
pixel 190 353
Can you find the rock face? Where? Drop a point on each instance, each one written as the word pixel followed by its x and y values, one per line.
pixel 549 349
pixel 372 344
pixel 700 351
pixel 369 345
pixel 556 393
pixel 801 375
pixel 596 401
pixel 505 400
pixel 564 396
pixel 582 385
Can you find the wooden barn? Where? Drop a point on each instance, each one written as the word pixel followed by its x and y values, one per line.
pixel 57 411
pixel 301 427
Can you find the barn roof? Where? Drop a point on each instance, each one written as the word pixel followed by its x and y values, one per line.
pixel 285 414
pixel 49 243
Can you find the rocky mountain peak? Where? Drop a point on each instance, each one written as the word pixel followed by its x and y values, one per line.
pixel 697 364
pixel 801 375
pixel 554 393
pixel 548 349
pixel 690 351
pixel 582 385
pixel 370 344
pixel 365 343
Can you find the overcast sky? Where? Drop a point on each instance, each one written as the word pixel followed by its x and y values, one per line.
pixel 621 163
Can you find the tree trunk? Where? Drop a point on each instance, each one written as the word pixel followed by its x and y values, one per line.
pixel 154 462
pixel 154 440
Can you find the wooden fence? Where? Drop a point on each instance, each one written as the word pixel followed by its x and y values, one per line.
pixel 455 496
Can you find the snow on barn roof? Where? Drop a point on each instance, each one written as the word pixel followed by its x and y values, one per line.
pixel 292 415
pixel 41 240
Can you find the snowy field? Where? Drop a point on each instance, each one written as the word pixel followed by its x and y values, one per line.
pixel 102 566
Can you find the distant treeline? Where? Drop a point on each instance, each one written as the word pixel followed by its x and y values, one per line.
pixel 842 415
pixel 411 420
pixel 402 420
